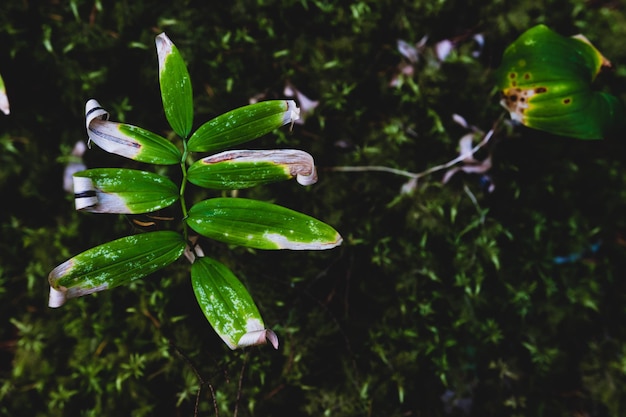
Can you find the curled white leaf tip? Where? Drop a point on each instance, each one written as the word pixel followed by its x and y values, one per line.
pixel 89 197
pixel 57 297
pixel 84 193
pixel 307 179
pixel 258 337
pixel 94 110
pixel 271 337
pixel 301 165
pixel 106 134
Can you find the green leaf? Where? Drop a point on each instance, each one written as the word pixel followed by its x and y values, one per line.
pixel 228 306
pixel 123 191
pixel 126 140
pixel 243 124
pixel 176 91
pixel 260 225
pixel 545 80
pixel 239 169
pixel 114 263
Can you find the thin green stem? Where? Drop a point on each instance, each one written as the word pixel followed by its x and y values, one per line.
pixel 183 186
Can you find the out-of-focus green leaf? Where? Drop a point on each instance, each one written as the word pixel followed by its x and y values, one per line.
pixel 238 169
pixel 4 99
pixel 228 306
pixel 126 140
pixel 176 91
pixel 243 124
pixel 260 225
pixel 114 263
pixel 545 80
pixel 124 191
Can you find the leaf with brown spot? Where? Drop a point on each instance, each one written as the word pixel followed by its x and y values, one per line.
pixel 545 82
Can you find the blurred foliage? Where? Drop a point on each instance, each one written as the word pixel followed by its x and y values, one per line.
pixel 444 301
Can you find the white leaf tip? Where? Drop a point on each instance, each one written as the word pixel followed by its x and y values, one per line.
pixel 258 337
pixel 307 179
pixel 57 297
pixel 164 48
pixel 293 112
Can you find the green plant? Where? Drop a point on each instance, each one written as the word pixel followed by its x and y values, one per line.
pixel 247 222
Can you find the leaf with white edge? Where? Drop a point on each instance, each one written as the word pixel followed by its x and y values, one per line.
pixel 228 306
pixel 4 99
pixel 175 83
pixel 122 191
pixel 127 140
pixel 114 263
pixel 243 124
pixel 237 169
pixel 260 225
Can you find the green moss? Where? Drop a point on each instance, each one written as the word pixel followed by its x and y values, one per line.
pixel 431 291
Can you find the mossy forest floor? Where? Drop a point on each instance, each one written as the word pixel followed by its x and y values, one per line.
pixel 494 294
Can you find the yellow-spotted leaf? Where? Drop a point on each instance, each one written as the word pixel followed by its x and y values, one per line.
pixel 243 124
pixel 114 263
pixel 238 169
pixel 127 140
pixel 123 191
pixel 545 81
pixel 260 225
pixel 228 306
pixel 175 83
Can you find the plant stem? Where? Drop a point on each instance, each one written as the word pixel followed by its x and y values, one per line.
pixel 183 186
pixel 415 175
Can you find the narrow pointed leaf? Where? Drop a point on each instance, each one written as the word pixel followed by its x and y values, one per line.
pixel 114 263
pixel 545 80
pixel 176 91
pixel 123 191
pixel 228 306
pixel 4 99
pixel 239 169
pixel 260 225
pixel 127 140
pixel 243 124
